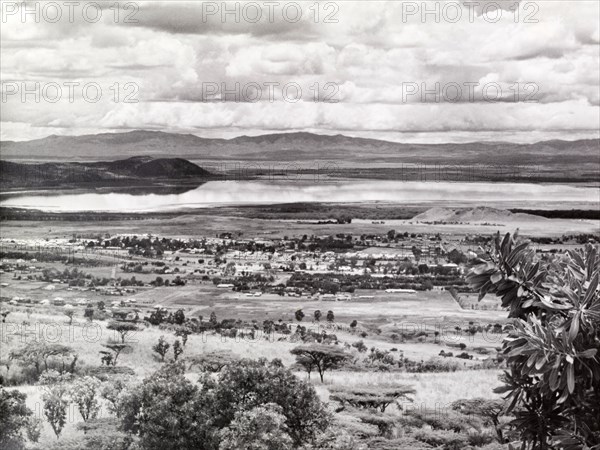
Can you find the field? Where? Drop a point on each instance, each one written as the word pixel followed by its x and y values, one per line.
pixel 433 390
pixel 428 329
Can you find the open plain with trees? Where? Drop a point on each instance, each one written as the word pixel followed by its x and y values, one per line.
pixel 382 340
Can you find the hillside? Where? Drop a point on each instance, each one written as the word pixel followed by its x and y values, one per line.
pixel 298 147
pixel 481 214
pixel 126 171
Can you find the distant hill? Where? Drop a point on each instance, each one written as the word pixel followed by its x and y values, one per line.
pixel 130 170
pixel 301 147
pixel 479 214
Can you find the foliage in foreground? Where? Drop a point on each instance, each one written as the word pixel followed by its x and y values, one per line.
pixel 15 417
pixel 168 411
pixel 553 375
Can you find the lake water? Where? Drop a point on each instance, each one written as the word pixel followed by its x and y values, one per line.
pixel 216 193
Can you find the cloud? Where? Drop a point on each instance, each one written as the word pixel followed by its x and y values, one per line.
pixel 373 51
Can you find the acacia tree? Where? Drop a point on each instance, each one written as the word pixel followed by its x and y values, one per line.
pixel 212 361
pixel 116 348
pixel 69 312
pixel 125 329
pixel 369 397
pixel 320 356
pixel 552 350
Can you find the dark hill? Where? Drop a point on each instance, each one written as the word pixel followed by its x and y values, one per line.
pixel 126 171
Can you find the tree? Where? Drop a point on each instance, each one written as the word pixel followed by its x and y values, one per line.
pixel 157 316
pixel 125 329
pixel 167 412
pixel 56 402
pixel 83 394
pixel 324 357
pixel 417 252
pixel 552 350
pixel 353 325
pixel 89 313
pixel 38 355
pixel 183 332
pixel 330 316
pixel 299 315
pixel 371 397
pixel 317 315
pixel 69 312
pixel 177 349
pixel 489 410
pixel 305 363
pixel 15 418
pixel 248 384
pixel 213 361
pixel 179 317
pixel 456 256
pixel 261 428
pixel 161 347
pixel 213 319
pixel 4 314
pixel 116 348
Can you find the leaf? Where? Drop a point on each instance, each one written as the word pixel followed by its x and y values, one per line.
pixel 571 378
pixel 548 304
pixel 533 271
pixel 554 379
pixel 505 246
pixel 591 290
pixel 589 353
pixel 574 327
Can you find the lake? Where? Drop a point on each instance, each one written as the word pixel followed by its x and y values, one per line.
pixel 220 193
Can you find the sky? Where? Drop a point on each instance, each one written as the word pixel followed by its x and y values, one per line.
pixel 447 71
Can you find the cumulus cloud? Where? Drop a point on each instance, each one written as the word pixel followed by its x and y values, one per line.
pixel 521 66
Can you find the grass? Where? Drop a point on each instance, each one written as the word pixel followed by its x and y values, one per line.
pixel 380 318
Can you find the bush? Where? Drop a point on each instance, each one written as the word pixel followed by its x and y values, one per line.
pixel 254 383
pixel 168 411
pixel 15 419
pixel 447 440
pixel 552 350
pixel 263 427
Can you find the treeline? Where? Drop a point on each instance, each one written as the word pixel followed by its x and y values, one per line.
pixel 593 214
pixel 333 283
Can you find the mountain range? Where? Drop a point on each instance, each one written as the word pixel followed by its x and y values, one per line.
pixel 298 147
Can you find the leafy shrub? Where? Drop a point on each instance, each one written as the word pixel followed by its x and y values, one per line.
pixel 447 440
pixel 552 350
pixel 15 418
pixel 262 427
